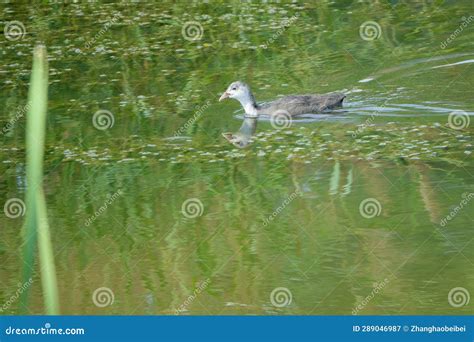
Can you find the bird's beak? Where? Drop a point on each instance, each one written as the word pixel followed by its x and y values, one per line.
pixel 224 96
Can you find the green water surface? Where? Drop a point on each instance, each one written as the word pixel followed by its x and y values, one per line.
pixel 341 211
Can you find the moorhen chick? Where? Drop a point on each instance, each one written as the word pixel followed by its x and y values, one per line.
pixel 291 104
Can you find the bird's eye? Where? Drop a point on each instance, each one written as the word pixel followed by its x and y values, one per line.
pixel 234 88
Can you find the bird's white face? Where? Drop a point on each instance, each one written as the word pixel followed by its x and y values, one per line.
pixel 236 90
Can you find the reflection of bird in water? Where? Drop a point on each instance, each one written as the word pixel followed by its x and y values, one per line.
pixel 243 137
pixel 290 105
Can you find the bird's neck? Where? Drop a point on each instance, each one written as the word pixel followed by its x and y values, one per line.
pixel 249 104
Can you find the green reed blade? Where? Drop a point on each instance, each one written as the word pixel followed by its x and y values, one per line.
pixel 36 224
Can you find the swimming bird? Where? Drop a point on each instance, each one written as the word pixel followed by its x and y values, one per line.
pixel 290 105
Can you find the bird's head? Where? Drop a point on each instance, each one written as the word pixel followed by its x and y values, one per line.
pixel 237 90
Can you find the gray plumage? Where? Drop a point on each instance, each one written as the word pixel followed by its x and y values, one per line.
pixel 290 104
pixel 302 104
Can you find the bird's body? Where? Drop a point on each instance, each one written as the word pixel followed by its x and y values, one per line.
pixel 289 105
pixel 302 104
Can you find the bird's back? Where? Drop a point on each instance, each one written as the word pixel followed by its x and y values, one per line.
pixel 302 104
